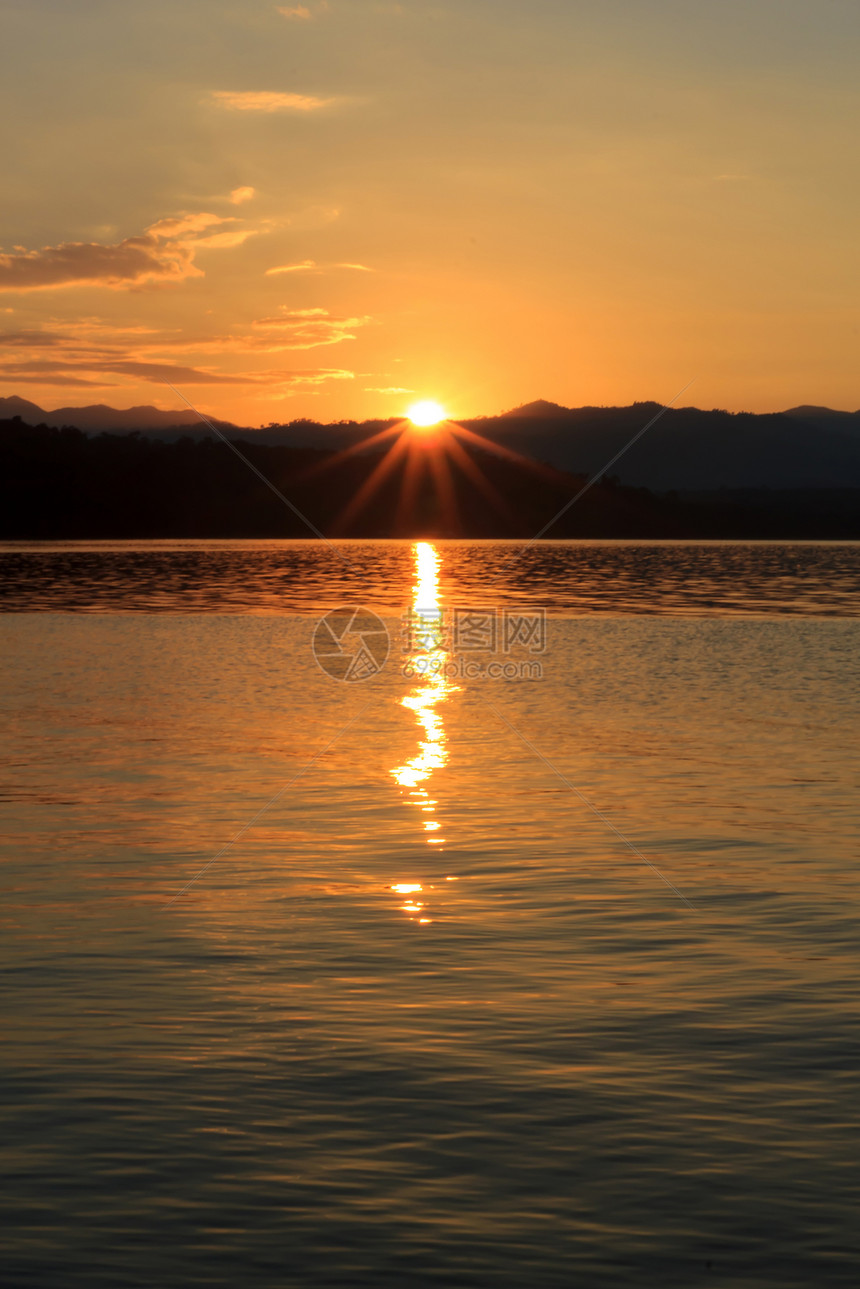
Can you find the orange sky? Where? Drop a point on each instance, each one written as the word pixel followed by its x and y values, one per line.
pixel 334 209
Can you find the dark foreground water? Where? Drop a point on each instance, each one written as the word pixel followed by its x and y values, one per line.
pixel 539 981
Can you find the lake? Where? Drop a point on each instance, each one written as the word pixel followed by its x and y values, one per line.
pixel 525 955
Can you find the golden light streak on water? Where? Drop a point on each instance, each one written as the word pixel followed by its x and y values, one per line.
pixel 426 660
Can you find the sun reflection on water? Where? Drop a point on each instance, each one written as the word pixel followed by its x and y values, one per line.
pixel 426 658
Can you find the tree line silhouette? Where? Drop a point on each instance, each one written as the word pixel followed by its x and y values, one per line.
pixel 60 483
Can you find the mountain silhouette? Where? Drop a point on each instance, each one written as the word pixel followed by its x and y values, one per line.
pixel 539 409
pixel 685 450
pixel 59 483
pixel 826 418
pixel 690 450
pixel 30 412
pixel 99 417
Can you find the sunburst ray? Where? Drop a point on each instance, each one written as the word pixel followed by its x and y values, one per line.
pixel 371 484
pixel 354 449
pixel 469 467
pixel 416 462
pixel 498 449
pixel 444 486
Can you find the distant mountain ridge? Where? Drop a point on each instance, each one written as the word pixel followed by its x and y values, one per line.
pixel 686 450
pixel 825 416
pixel 690 450
pixel 99 417
pixel 539 408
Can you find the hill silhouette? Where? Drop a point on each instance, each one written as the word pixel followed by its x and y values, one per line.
pixel 61 483
pixel 540 409
pixel 98 416
pixel 687 450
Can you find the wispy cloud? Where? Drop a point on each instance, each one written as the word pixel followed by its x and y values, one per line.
pixel 92 353
pixel 58 373
pixel 66 380
pixel 225 241
pixel 130 262
pixel 311 266
pixel 387 389
pixel 152 373
pixel 308 328
pixel 315 376
pixel 301 12
pixel 240 195
pixel 182 225
pixel 287 330
pixel 304 266
pixel 269 101
pixel 165 253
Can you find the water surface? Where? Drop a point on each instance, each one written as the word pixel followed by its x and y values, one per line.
pixel 430 1020
pixel 676 578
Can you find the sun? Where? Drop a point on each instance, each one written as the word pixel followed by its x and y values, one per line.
pixel 426 413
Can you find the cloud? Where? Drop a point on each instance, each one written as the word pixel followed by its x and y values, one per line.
pixel 240 195
pixel 224 241
pixel 388 389
pixel 153 373
pixel 156 373
pixel 296 329
pixel 305 266
pixel 178 225
pixel 307 329
pixel 92 340
pixel 91 334
pixel 91 353
pixel 28 339
pixel 130 262
pixel 269 101
pixel 311 266
pixel 312 376
pixel 300 12
pixel 46 373
pixel 69 381
pixel 163 253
